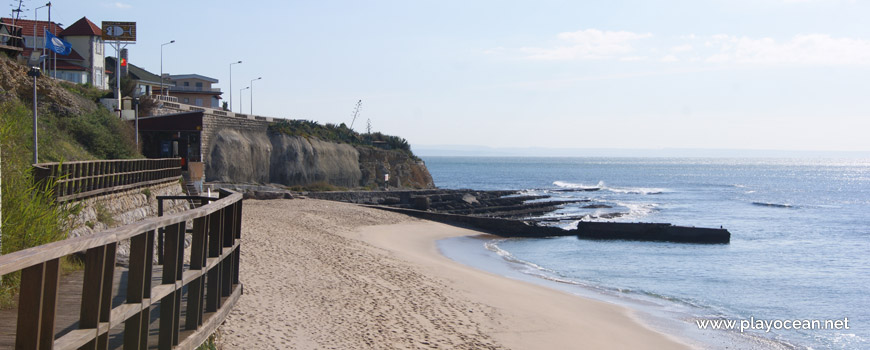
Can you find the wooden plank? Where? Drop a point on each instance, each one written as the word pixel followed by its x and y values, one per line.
pixel 124 312
pixel 168 305
pixel 92 290
pixel 75 339
pixel 161 291
pixel 27 334
pixel 167 322
pixel 106 295
pixel 51 279
pixel 149 263
pixel 134 336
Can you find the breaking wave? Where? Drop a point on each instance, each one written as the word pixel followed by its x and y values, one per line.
pixel 568 186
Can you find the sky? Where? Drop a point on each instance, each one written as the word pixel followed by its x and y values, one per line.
pixel 735 74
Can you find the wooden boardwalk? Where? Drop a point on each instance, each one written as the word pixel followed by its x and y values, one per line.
pixel 109 306
pixel 69 293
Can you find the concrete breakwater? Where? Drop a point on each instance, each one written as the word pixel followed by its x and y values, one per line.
pixel 657 232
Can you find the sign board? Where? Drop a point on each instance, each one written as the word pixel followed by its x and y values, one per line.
pixel 119 31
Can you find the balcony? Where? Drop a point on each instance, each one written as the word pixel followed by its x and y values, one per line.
pixel 193 89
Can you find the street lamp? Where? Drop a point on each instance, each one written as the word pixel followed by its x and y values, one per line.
pixel 231 84
pixel 252 94
pixel 240 97
pixel 161 66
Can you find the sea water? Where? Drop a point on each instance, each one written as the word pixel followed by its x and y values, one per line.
pixel 800 240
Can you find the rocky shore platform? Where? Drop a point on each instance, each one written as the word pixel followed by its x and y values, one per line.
pixel 504 213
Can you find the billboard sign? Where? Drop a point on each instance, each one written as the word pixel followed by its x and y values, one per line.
pixel 119 31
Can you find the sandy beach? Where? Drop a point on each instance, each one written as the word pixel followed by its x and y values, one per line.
pixel 328 275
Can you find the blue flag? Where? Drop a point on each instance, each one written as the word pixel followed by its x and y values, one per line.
pixel 56 44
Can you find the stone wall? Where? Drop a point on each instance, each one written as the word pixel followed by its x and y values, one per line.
pixel 121 208
pixel 212 125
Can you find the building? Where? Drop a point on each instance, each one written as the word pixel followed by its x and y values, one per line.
pixel 147 83
pixel 84 65
pixel 194 89
pixel 86 39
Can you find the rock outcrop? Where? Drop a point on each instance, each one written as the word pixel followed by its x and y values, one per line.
pixel 243 156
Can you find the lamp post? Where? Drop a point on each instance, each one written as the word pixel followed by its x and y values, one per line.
pixel 252 94
pixel 162 90
pixel 231 84
pixel 240 97
pixel 35 21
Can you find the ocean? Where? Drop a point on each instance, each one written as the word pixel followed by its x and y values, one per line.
pixel 800 241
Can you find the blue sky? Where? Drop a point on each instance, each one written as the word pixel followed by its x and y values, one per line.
pixel 738 74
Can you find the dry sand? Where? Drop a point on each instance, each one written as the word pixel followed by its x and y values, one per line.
pixel 328 275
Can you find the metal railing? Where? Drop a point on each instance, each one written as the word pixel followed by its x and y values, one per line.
pixel 210 282
pixel 193 89
pixel 76 180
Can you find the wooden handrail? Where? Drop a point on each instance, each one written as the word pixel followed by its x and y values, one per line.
pixel 82 179
pixel 212 281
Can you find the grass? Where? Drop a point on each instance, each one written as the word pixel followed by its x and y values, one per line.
pixel 210 343
pixel 103 214
pixel 31 217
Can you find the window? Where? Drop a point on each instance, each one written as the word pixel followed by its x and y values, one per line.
pixel 98 82
pixel 199 102
pixel 186 83
pixel 99 43
pixel 198 86
pixel 186 100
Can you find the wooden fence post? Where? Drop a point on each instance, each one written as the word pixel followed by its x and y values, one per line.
pixel 37 305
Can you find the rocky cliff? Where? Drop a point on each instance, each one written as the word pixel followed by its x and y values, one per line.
pixel 244 156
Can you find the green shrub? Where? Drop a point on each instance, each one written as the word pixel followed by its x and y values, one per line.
pixel 339 133
pixel 102 134
pixel 103 214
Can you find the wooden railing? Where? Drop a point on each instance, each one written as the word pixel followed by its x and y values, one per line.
pixel 210 282
pixel 13 40
pixel 76 180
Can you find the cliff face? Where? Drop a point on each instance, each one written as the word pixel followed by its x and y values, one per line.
pixel 404 172
pixel 256 157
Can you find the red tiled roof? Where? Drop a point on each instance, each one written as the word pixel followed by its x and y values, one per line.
pixel 83 26
pixel 27 26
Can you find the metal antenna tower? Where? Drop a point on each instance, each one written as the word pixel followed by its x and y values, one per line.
pixel 369 126
pixel 17 11
pixel 356 112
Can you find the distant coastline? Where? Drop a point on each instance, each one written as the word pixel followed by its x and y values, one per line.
pixel 485 151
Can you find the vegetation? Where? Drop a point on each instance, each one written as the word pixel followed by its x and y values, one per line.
pixel 340 133
pixel 31 217
pixel 87 91
pixel 103 214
